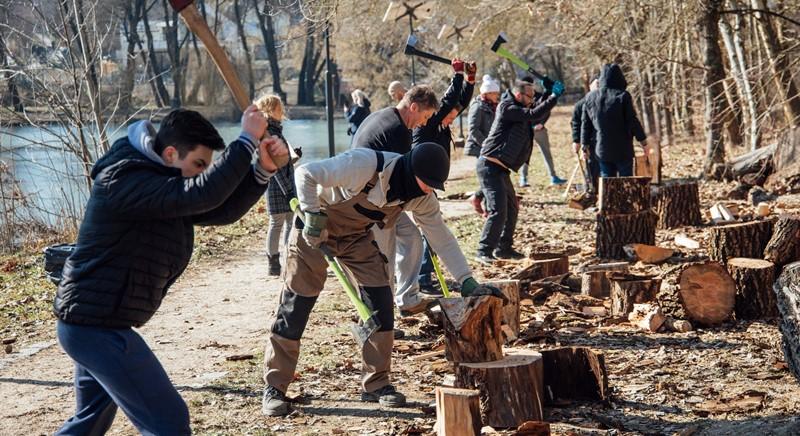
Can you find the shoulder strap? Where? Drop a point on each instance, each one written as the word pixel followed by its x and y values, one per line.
pixel 378 168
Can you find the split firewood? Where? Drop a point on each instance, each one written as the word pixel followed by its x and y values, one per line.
pixel 510 310
pixel 648 253
pixel 686 242
pixel 595 311
pixel 472 328
pixel 648 317
pixel 721 214
pixel 677 325
pixel 458 412
pixel 763 210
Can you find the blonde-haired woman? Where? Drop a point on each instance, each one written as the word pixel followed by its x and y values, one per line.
pixel 281 190
pixel 358 112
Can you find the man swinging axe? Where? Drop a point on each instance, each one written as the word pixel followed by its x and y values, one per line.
pixel 342 198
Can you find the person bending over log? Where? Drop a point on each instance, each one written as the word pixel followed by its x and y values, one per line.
pixel 150 190
pixel 342 198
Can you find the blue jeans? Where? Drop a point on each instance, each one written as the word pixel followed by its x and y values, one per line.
pixel 426 269
pixel 115 368
pixel 616 169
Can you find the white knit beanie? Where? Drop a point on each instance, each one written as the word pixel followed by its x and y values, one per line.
pixel 488 84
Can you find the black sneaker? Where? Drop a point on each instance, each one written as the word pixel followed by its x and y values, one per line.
pixel 485 259
pixel 274 264
pixel 431 289
pixel 274 402
pixel 385 396
pixel 508 254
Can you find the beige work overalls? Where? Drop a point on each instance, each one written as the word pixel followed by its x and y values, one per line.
pixel 351 242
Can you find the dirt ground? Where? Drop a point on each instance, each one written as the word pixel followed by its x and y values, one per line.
pixel 210 332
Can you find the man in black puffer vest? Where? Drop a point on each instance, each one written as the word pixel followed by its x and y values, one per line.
pixel 136 238
pixel 508 146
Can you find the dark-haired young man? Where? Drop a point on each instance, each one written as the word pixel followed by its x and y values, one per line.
pixel 136 238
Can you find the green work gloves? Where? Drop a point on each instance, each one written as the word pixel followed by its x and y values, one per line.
pixel 471 288
pixel 314 231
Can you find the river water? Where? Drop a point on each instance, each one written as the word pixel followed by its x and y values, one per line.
pixel 51 183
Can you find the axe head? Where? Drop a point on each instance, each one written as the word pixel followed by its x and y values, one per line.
pixel 363 330
pixel 501 39
pixel 180 5
pixel 411 45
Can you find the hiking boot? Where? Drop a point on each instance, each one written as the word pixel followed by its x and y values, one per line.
pixel 274 402
pixel 431 289
pixel 424 304
pixel 555 180
pixel 509 253
pixel 385 396
pixel 485 259
pixel 274 264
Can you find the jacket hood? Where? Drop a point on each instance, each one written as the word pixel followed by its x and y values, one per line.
pixel 138 145
pixel 612 77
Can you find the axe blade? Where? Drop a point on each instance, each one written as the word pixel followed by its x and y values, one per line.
pixel 363 330
pixel 501 39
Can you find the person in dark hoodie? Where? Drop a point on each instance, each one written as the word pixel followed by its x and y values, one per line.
pixel 609 121
pixel 437 130
pixel 587 151
pixel 508 146
pixel 357 113
pixel 150 190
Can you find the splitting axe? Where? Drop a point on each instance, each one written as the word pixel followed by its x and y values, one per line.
pixel 503 52
pixel 412 50
pixel 369 320
pixel 197 25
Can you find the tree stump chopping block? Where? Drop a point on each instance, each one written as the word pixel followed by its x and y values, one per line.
pixel 754 278
pixel 627 290
pixel 678 204
pixel 594 278
pixel 784 246
pixel 739 240
pixel 458 412
pixel 510 326
pixel 472 328
pixel 702 292
pixel 511 388
pixel 613 232
pixel 787 292
pixel 624 195
pixel 574 373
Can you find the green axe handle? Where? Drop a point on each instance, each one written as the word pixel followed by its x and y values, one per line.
pixel 439 273
pixel 363 310
pixel 519 62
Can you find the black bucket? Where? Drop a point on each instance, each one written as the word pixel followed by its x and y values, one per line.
pixel 54 258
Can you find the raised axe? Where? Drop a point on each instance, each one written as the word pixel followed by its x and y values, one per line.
pixel 412 50
pixel 369 320
pixel 503 52
pixel 197 25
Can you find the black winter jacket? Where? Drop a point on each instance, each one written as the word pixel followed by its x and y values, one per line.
pixel 459 93
pixel 481 115
pixel 609 118
pixel 511 138
pixel 356 115
pixel 577 116
pixel 137 234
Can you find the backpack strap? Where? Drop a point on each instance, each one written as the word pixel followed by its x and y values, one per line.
pixel 378 168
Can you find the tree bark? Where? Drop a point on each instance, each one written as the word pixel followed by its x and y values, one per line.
pixel 133 15
pixel 174 45
pixel 754 278
pixel 787 292
pixel 13 91
pixel 161 94
pixel 627 290
pixel 678 205
pixel 510 309
pixel 739 240
pixel 268 33
pixel 594 279
pixel 624 195
pixel 574 373
pixel 784 245
pixel 703 292
pixel 712 82
pixel 472 328
pixel 241 15
pixel 613 232
pixel 458 412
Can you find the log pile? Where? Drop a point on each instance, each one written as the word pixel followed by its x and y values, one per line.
pixel 678 204
pixel 625 216
pixel 739 240
pixel 702 292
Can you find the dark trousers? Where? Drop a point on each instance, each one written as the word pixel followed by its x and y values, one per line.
pixel 426 269
pixel 501 205
pixel 593 168
pixel 616 169
pixel 115 368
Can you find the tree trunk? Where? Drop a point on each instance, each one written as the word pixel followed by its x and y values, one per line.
pixel 739 240
pixel 712 82
pixel 161 94
pixel 594 279
pixel 133 15
pixel 613 232
pixel 472 328
pixel 511 389
pixel 754 278
pixel 13 92
pixel 268 33
pixel 703 292
pixel 174 52
pixel 627 290
pixel 574 373
pixel 241 16
pixel 623 195
pixel 678 204
pixel 787 292
pixel 738 59
pixel 458 412
pixel 784 245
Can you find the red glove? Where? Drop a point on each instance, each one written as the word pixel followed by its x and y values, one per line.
pixel 458 65
pixel 471 69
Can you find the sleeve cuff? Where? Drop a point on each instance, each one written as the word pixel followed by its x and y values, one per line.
pixel 262 175
pixel 249 141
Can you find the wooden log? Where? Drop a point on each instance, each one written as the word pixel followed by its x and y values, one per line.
pixel 758 160
pixel 739 240
pixel 543 265
pixel 686 242
pixel 678 204
pixel 458 412
pixel 647 316
pixel 703 292
pixel 627 290
pixel 615 231
pixel 533 428
pixel 472 330
pixel 624 195
pixel 720 214
pixel 642 166
pixel 754 278
pixel 648 253
pixel 574 373
pixel 511 389
pixel 784 245
pixel 595 283
pixel 510 311
pixel 787 292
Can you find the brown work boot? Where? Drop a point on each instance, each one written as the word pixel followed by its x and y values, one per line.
pixel 424 304
pixel 385 396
